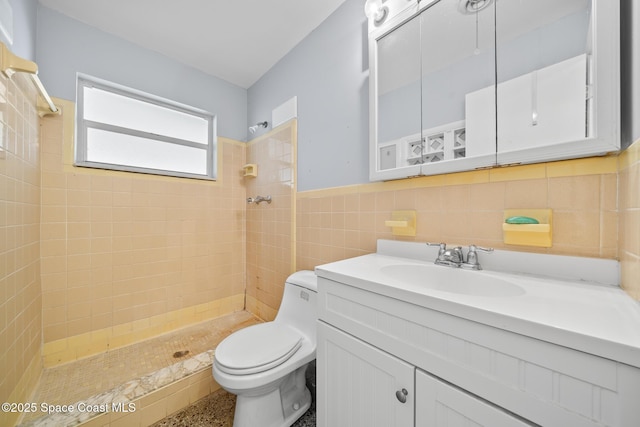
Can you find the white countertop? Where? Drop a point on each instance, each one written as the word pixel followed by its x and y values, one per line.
pixel 596 319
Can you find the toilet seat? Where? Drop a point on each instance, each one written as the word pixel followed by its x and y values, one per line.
pixel 257 348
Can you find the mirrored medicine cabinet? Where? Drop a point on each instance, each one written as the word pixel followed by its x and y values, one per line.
pixel 458 85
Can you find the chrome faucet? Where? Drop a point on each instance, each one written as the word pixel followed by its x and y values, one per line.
pixel 455 257
pixel 450 257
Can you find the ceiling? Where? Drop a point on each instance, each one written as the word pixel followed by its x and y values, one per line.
pixel 237 41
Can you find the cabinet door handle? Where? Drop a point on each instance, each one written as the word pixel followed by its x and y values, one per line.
pixel 401 395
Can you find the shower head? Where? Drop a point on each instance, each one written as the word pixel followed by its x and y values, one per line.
pixel 255 127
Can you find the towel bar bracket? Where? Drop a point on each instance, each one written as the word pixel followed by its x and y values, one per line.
pixel 11 64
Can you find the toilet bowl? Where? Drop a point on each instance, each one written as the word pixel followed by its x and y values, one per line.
pixel 265 364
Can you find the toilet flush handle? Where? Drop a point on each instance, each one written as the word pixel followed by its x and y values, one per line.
pixel 401 395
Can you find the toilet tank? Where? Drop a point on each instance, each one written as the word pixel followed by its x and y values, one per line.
pixel 299 306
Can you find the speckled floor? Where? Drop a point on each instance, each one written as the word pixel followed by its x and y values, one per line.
pixel 217 410
pixel 131 371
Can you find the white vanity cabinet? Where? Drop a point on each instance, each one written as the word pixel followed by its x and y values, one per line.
pixel 455 371
pixel 361 383
pixel 365 386
pixel 441 404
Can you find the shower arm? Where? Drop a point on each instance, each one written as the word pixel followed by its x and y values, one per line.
pixel 254 128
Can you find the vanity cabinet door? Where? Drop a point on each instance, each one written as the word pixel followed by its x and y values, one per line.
pixel 360 385
pixel 443 405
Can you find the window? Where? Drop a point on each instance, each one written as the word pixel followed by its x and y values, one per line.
pixel 124 129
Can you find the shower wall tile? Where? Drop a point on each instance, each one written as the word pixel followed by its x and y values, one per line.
pixel 20 285
pixel 270 227
pixel 126 249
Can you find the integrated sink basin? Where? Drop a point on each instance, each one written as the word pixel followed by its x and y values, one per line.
pixel 453 280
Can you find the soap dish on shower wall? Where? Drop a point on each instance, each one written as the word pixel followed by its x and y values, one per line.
pixel 250 170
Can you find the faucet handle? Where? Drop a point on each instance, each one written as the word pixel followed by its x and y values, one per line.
pixel 472 257
pixel 473 248
pixel 443 247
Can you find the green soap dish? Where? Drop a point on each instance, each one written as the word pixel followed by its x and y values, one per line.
pixel 521 220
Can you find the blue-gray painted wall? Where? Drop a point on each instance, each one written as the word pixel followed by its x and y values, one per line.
pixel 65 46
pixel 329 73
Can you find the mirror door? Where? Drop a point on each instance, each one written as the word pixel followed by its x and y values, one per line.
pixel 398 146
pixel 457 64
pixel 552 97
pixel 429 114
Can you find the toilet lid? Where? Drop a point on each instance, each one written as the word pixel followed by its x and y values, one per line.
pixel 257 348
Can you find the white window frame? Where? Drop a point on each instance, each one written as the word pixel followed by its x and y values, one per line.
pixel 83 125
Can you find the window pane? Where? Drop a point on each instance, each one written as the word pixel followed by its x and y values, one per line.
pixel 110 108
pixel 120 149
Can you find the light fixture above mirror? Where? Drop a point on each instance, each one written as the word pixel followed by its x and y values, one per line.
pixel 376 11
pixel 473 6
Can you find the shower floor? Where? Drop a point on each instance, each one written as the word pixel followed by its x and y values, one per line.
pixel 81 379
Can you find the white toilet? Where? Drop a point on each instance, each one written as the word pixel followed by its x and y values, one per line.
pixel 265 364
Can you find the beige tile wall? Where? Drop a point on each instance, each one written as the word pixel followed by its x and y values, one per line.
pixel 120 248
pixel 629 231
pixel 466 208
pixel 20 291
pixel 270 227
